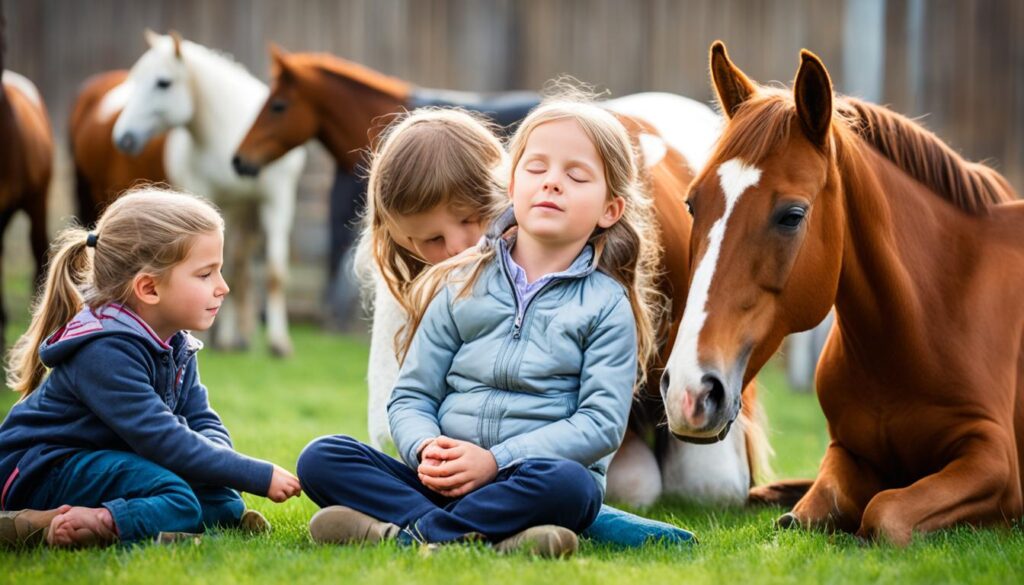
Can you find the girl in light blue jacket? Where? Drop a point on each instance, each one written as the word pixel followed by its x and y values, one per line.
pixel 517 382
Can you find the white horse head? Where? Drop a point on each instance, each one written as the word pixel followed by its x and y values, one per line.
pixel 161 96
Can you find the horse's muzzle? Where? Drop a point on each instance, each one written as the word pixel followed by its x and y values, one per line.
pixel 244 168
pixel 128 143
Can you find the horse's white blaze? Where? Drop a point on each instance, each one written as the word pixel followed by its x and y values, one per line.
pixel 684 368
pixel 114 101
pixel 653 148
pixel 22 84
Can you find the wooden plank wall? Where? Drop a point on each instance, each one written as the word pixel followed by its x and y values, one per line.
pixel 957 64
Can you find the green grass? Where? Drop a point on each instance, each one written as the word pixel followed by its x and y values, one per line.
pixel 273 408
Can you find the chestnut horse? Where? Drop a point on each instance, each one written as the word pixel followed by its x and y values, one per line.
pixel 344 105
pixel 811 200
pixel 102 172
pixel 26 162
pixel 207 101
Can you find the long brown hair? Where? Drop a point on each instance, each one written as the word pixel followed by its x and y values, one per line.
pixel 147 230
pixel 628 251
pixel 427 158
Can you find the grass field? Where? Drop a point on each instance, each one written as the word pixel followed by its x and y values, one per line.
pixel 273 408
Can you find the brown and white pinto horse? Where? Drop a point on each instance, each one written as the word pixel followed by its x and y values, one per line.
pixel 26 162
pixel 102 172
pixel 812 200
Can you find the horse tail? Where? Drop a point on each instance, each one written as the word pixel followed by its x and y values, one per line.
pixel 759 450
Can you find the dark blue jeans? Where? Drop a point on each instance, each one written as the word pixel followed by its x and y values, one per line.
pixel 341 470
pixel 144 498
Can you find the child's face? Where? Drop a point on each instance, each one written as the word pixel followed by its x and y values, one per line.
pixel 558 186
pixel 437 234
pixel 191 293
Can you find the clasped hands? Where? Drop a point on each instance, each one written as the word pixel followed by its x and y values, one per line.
pixel 454 468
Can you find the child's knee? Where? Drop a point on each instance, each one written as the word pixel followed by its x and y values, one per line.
pixel 223 510
pixel 186 513
pixel 568 473
pixel 321 456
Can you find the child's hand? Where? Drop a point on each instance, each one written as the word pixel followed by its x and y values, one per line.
pixel 283 485
pixel 454 468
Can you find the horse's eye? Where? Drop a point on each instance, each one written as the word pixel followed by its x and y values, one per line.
pixel 163 83
pixel 792 217
pixel 689 207
pixel 277 106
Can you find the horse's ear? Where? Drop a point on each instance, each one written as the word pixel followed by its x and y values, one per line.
pixel 279 58
pixel 813 94
pixel 176 37
pixel 731 85
pixel 277 52
pixel 152 38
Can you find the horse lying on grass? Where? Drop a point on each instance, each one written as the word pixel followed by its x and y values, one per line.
pixel 811 200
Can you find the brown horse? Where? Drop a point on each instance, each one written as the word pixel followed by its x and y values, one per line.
pixel 26 162
pixel 102 172
pixel 344 105
pixel 812 200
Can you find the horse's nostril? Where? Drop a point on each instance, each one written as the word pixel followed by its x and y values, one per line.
pixel 664 384
pixel 714 392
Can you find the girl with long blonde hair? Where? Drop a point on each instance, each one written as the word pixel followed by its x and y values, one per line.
pixel 114 437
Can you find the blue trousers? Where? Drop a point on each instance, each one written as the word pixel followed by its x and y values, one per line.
pixel 341 470
pixel 143 498
pixel 611 527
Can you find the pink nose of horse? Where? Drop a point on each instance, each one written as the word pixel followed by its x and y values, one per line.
pixel 703 404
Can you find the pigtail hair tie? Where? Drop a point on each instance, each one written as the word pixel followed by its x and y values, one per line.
pixel 91 240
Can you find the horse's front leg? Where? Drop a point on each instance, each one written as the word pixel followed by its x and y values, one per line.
pixel 979 486
pixel 39 239
pixel 277 214
pixel 235 323
pixel 634 477
pixel 837 498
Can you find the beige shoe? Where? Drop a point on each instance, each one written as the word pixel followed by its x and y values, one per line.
pixel 25 527
pixel 343 525
pixel 252 522
pixel 545 541
pixel 178 538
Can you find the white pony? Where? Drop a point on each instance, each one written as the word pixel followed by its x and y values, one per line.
pixel 718 472
pixel 208 101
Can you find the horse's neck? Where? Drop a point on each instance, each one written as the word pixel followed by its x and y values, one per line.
pixel 348 112
pixel 897 241
pixel 227 99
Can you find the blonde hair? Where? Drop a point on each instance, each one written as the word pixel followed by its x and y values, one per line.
pixel 629 251
pixel 427 158
pixel 147 230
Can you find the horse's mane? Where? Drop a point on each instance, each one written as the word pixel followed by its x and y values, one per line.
pixel 352 72
pixel 217 59
pixel 763 122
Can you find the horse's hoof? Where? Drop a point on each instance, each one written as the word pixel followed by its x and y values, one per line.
pixel 232 347
pixel 787 520
pixel 281 350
